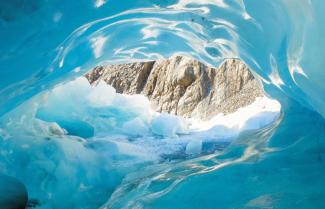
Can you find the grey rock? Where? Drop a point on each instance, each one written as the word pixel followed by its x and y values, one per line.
pixel 183 86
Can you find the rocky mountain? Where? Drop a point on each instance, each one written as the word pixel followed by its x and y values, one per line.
pixel 183 86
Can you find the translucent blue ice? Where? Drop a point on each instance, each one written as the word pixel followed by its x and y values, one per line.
pixel 80 154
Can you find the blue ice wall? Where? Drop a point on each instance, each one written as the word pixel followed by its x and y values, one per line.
pixel 44 43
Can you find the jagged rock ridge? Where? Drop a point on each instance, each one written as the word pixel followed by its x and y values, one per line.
pixel 183 86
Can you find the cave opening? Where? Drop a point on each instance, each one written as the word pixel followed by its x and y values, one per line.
pixel 117 119
pixel 178 99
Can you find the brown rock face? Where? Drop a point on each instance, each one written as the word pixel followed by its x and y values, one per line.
pixel 183 86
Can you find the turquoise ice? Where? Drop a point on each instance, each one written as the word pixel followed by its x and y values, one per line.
pixel 46 43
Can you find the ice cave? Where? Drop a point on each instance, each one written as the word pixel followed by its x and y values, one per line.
pixel 162 104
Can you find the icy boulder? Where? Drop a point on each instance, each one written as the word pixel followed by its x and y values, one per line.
pixel 168 125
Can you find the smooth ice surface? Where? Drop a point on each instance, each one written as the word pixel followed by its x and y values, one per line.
pixel 45 43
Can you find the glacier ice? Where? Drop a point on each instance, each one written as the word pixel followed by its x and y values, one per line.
pixel 82 139
pixel 168 125
pixel 115 156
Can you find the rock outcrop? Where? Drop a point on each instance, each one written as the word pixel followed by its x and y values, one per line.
pixel 183 86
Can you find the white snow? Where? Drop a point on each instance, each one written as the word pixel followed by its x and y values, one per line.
pixel 257 115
